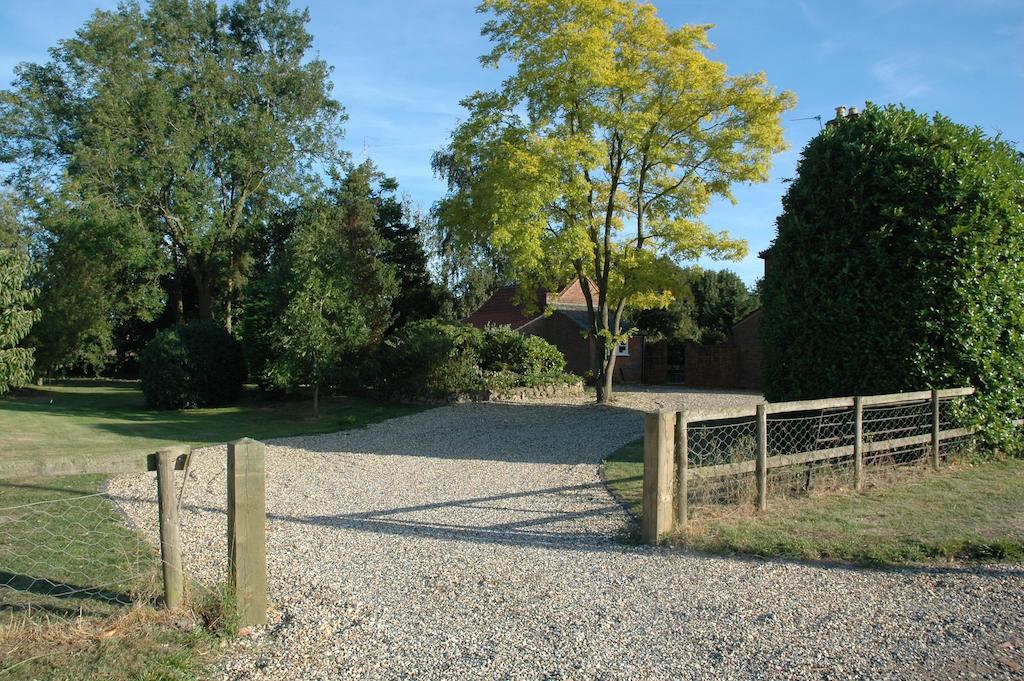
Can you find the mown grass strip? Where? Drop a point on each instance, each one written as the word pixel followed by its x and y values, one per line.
pixel 972 513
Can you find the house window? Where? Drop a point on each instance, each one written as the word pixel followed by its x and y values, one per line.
pixel 622 350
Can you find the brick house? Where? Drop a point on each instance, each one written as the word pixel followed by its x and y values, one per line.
pixel 562 319
pixel 735 364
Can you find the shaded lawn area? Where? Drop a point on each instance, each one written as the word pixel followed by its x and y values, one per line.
pixel 963 513
pixel 77 587
pixel 102 418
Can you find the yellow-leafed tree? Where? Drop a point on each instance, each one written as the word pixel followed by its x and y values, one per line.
pixel 600 152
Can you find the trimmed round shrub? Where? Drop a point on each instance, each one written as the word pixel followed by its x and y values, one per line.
pixel 540 358
pixel 897 266
pixel 196 365
pixel 504 350
pixel 431 359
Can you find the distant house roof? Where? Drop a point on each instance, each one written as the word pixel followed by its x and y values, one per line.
pixel 577 314
pixel 501 309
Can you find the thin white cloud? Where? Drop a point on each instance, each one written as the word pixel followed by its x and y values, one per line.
pixel 900 77
pixel 829 48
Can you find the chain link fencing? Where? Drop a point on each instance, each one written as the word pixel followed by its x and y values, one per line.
pixel 809 450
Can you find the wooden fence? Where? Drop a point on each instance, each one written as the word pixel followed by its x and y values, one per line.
pixel 247 571
pixel 812 432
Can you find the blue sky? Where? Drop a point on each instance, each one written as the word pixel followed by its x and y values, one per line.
pixel 401 67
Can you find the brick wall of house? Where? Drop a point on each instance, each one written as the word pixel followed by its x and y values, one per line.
pixel 710 366
pixel 566 336
pixel 573 294
pixel 735 364
pixel 656 363
pixel 746 338
pixel 630 369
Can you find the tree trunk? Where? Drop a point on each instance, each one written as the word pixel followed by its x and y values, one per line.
pixel 204 295
pixel 179 299
pixel 606 354
pixel 316 401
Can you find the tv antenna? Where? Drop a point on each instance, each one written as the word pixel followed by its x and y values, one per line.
pixel 811 118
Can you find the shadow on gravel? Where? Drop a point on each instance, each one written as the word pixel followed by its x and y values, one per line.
pixel 525 534
pixel 491 431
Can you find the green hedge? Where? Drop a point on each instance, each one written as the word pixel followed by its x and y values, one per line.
pixel 897 266
pixel 196 365
pixel 435 359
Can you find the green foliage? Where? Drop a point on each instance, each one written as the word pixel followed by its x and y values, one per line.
pixel 897 266
pixel 721 299
pixel 416 298
pixel 704 302
pixel 327 298
pixel 16 318
pixel 85 294
pixel 196 365
pixel 180 119
pixel 504 350
pixel 601 150
pixel 712 337
pixel 435 359
pixel 432 359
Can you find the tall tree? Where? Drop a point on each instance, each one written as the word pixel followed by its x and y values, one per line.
pixel 182 118
pixel 16 312
pixel 602 149
pixel 899 265
pixel 721 299
pixel 417 297
pixel 328 296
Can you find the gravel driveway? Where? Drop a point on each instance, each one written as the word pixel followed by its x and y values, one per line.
pixel 476 541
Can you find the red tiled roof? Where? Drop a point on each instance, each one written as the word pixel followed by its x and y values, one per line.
pixel 500 309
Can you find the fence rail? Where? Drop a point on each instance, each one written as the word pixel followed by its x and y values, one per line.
pixel 736 456
pixel 32 534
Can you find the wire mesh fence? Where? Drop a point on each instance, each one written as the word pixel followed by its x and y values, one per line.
pixel 68 553
pixel 67 549
pixel 808 450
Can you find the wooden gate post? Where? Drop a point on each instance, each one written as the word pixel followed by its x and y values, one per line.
pixel 858 443
pixel 170 537
pixel 247 529
pixel 935 429
pixel 762 457
pixel 682 455
pixel 659 432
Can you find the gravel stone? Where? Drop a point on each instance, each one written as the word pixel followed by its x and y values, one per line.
pixel 476 541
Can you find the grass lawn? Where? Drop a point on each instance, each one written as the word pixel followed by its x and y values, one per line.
pixel 91 581
pixel 103 418
pixel 964 513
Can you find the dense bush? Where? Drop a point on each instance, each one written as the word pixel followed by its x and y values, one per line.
pixel 195 365
pixel 502 349
pixel 438 360
pixel 897 266
pixel 431 359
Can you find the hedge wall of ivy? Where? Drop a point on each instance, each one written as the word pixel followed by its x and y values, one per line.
pixel 899 265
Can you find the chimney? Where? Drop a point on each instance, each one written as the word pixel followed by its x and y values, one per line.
pixel 840 112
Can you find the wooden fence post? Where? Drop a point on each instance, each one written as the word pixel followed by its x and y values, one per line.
pixel 170 537
pixel 935 429
pixel 762 457
pixel 858 443
pixel 682 463
pixel 659 432
pixel 247 529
